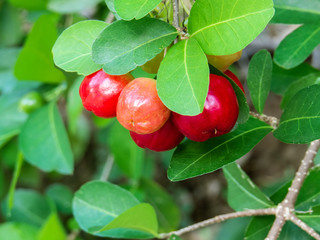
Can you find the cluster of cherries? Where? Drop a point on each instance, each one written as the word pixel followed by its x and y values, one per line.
pixel 137 106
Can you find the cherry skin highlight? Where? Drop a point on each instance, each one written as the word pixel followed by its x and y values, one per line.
pixel 220 113
pixel 139 107
pixel 100 91
pixel 164 139
pixel 234 78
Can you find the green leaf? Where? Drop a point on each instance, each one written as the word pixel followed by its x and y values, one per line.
pixel 18 231
pixel 297 46
pixel 35 62
pixel 61 196
pixel 50 149
pixel 10 26
pixel 146 222
pixel 242 101
pixel 71 6
pixel 312 218
pixel 309 195
pixel 28 207
pixel 193 158
pixel 282 78
pixel 233 229
pixel 124 45
pixel 128 156
pixel 72 50
pixel 8 57
pixel 260 226
pixel 12 118
pixel 110 5
pixel 137 9
pixel 242 192
pixel 296 12
pixel 52 229
pixel 295 87
pixel 167 210
pixel 259 78
pixel 183 78
pixel 97 204
pixel 30 5
pixel 300 121
pixel 226 27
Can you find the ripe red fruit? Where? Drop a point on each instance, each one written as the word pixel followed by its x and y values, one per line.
pixel 166 138
pixel 234 78
pixel 139 107
pixel 220 112
pixel 100 91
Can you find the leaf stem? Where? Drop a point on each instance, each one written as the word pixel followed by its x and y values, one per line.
pixel 220 218
pixel 107 168
pixel 16 174
pixel 175 6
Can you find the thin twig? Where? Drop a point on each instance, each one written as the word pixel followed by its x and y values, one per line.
pixel 285 210
pixel 107 168
pixel 272 121
pixel 220 218
pixel 304 227
pixel 110 17
pixel 175 6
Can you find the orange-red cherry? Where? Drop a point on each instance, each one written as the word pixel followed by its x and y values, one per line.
pixel 219 115
pixel 100 91
pixel 139 107
pixel 164 139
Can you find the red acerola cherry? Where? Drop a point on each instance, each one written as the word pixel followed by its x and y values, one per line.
pixel 166 138
pixel 234 78
pixel 100 91
pixel 139 107
pixel 219 115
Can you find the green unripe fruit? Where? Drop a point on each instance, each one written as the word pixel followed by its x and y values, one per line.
pixel 30 102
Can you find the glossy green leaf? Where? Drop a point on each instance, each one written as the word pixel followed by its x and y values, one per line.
pixel 134 9
pixel 10 26
pixel 35 61
pixel 282 78
pixel 61 196
pixel 225 27
pixel 233 229
pixel 259 78
pixel 110 4
pixel 296 12
pixel 73 49
pixel 12 118
pixel 8 57
pixel 52 229
pixel 167 210
pixel 123 45
pixel 194 158
pixel 50 150
pixel 312 218
pixel 96 204
pixel 28 207
pixel 242 192
pixel 146 222
pixel 242 101
pixel 297 46
pixel 18 231
pixel 300 121
pixel 30 5
pixel 309 195
pixel 317 159
pixel 71 6
pixel 128 156
pixel 260 226
pixel 294 88
pixel 183 78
